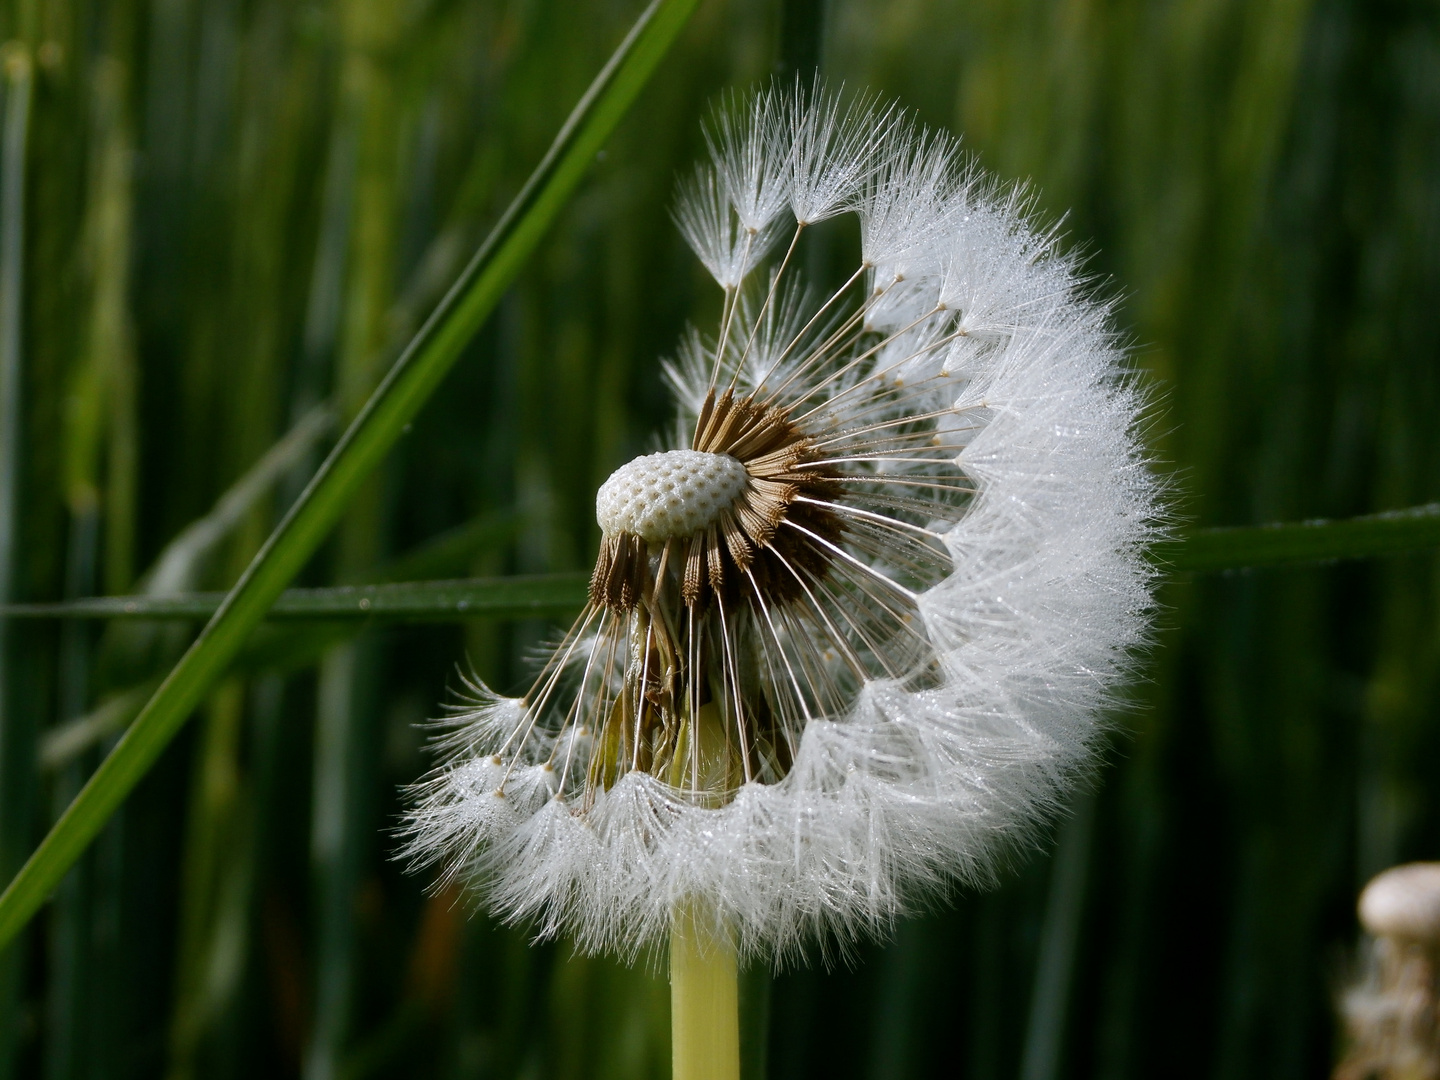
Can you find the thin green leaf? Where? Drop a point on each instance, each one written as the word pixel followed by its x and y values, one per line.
pixel 451 552
pixel 67 742
pixel 184 558
pixel 1305 542
pixel 548 594
pixel 394 404
pixel 17 723
pixel 410 601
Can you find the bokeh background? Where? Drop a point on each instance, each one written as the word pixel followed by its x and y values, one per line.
pixel 237 210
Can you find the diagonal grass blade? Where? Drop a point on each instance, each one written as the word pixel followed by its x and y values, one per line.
pixel 395 402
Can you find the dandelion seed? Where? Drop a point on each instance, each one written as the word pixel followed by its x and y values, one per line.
pixel 850 639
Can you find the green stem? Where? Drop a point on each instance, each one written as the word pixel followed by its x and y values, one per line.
pixel 704 1001
pixel 1296 543
pixel 17 723
pixel 1395 532
pixel 518 596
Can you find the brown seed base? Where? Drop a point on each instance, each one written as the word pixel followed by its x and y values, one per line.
pixel 746 541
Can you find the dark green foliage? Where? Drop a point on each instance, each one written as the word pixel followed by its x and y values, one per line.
pixel 235 211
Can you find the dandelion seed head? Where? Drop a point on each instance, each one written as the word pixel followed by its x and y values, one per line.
pixel 1392 1008
pixel 1404 902
pixel 852 637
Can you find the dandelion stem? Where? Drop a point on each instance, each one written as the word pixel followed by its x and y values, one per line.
pixel 704 1000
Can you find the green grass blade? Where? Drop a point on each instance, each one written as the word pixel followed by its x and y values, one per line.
pixel 184 557
pixel 515 597
pixel 65 742
pixel 395 402
pixel 17 723
pixel 451 553
pixel 16 122
pixel 1305 542
pixel 549 594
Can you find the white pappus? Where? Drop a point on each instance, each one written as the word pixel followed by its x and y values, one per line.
pixel 851 640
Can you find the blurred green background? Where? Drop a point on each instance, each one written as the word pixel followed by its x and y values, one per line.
pixel 235 213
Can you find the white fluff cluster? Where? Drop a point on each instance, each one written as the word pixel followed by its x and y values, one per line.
pixel 923 691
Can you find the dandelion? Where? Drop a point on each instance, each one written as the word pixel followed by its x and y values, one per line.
pixel 1392 1012
pixel 848 642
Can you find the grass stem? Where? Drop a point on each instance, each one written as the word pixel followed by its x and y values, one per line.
pixel 17 724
